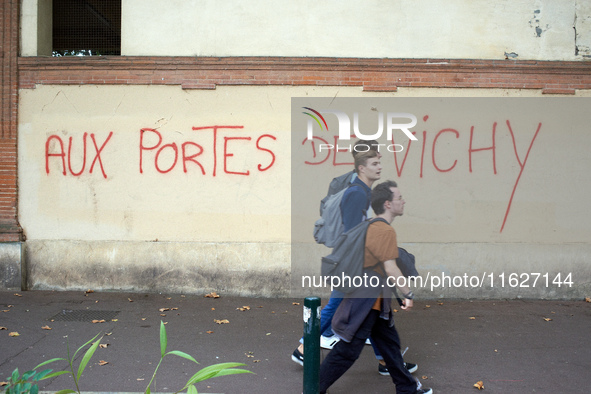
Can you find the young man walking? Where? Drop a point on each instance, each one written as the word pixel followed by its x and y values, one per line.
pixel 367 311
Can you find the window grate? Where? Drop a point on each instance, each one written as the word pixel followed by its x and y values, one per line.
pixel 83 315
pixel 86 27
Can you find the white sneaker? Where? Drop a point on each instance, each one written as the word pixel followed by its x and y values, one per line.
pixel 328 342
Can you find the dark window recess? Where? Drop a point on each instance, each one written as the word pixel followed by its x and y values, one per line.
pixel 86 27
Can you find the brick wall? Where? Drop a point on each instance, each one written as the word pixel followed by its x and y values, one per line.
pixel 207 73
pixel 370 74
pixel 9 15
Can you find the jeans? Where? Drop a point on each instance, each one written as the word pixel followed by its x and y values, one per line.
pixel 386 338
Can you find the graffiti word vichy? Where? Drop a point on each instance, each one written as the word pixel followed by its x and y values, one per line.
pixel 345 124
pixel 156 154
pixel 442 138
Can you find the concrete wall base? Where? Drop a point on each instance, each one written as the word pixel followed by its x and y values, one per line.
pixel 242 269
pixel 11 256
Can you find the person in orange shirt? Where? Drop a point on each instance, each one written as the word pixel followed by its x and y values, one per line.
pixel 367 311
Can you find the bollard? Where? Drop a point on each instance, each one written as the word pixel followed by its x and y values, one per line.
pixel 311 345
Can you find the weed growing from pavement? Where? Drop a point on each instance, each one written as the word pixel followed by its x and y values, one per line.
pixel 27 383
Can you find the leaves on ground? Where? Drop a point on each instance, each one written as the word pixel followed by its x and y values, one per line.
pixel 244 308
pixel 17 294
pixel 547 319
pixel 479 385
pixel 103 362
pixel 223 321
pixel 294 303
pixel 213 294
pixel 89 291
pixel 4 384
pixel 472 318
pixel 103 345
pixel 209 332
pixel 46 328
pixel 14 334
pixel 98 321
pixel 587 299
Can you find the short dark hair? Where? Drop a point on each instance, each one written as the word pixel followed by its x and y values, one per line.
pixel 361 158
pixel 380 194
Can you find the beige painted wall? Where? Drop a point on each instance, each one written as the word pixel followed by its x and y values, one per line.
pixel 530 29
pixel 119 228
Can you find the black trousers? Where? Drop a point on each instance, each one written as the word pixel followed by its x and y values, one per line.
pixel 386 339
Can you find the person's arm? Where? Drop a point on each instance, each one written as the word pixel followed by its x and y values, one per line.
pixel 353 208
pixel 392 270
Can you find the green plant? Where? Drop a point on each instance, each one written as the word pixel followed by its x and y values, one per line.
pixel 85 359
pixel 20 384
pixel 222 369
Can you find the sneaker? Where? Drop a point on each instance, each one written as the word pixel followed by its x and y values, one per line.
pixel 421 389
pixel 328 342
pixel 383 370
pixel 298 357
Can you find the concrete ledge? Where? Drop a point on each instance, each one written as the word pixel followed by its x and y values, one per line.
pixel 242 269
pixel 11 255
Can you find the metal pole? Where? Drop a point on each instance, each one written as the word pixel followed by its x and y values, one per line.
pixel 311 345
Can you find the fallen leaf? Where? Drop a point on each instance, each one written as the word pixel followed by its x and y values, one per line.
pixel 209 332
pixel 108 333
pixel 472 318
pixel 587 299
pixel 46 328
pixel 440 303
pixel 3 328
pixel 224 321
pixel 268 333
pixel 547 319
pixel 139 379
pixel 4 384
pixel 6 310
pixel 213 309
pixel 174 309
pixel 103 345
pixel 14 334
pixel 244 308
pixel 479 385
pixel 424 377
pixel 426 306
pixel 143 318
pixel 164 309
pixel 115 320
pixel 294 303
pixel 98 321
pixel 89 291
pixel 395 310
pixel 163 314
pixel 256 361
pixel 17 294
pixel 213 294
pixel 130 300
pixel 103 362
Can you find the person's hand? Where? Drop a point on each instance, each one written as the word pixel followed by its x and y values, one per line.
pixel 406 304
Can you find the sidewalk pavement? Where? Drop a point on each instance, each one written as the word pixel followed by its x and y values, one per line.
pixel 513 346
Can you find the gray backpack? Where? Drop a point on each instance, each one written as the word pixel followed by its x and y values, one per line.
pixel 330 225
pixel 348 255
